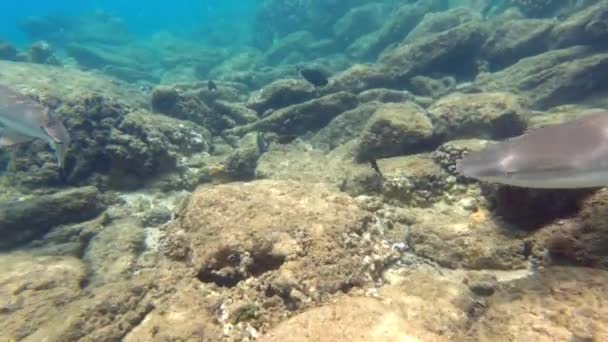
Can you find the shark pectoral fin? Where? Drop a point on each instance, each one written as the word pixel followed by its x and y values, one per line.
pixel 11 138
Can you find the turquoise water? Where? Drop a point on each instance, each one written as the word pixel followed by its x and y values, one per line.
pixel 142 17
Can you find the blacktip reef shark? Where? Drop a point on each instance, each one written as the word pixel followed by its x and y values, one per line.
pixel 569 155
pixel 24 120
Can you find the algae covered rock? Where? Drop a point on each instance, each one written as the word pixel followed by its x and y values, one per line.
pixel 457 237
pixel 448 154
pixel 414 180
pixel 512 40
pixel 180 105
pixel 338 167
pixel 552 78
pixel 112 253
pixel 300 118
pixel 385 95
pixel 108 312
pixel 587 27
pixel 435 22
pixel 293 43
pixel 494 115
pixel 112 146
pixel 348 28
pixel 22 221
pixel 394 129
pixel 35 289
pixel 401 313
pixel 401 21
pixel 344 127
pixel 198 104
pixel 147 144
pixel 241 163
pixel 580 240
pixel 7 51
pixel 437 52
pixel 279 94
pixel 296 240
pixel 430 87
pixel 360 77
pixel 567 311
pixel 41 52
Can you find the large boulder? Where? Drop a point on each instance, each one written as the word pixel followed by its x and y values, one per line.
pixel 296 240
pixel 414 180
pixel 394 129
pixel 587 27
pixel 279 94
pixel 299 118
pixel 112 146
pixel 495 115
pixel 512 40
pixel 34 289
pixel 348 28
pixel 22 221
pixel 436 22
pixel 344 127
pixel 453 51
pixel 402 20
pixel 552 78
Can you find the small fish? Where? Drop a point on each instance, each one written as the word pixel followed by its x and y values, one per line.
pixel 211 86
pixel 315 76
pixel 24 120
pixel 570 155
pixel 375 166
pixel 263 143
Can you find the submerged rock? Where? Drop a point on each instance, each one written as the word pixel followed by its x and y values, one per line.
pixel 7 51
pixel 494 115
pixel 587 27
pixel 512 40
pixel 448 154
pixel 298 241
pixel 385 95
pixel 214 110
pixel 414 180
pixel 241 163
pixel 344 127
pixel 293 43
pixel 394 129
pixel 22 221
pixel 557 303
pixel 41 52
pixel 279 94
pixel 453 51
pixel 348 28
pixel 456 237
pixel 180 105
pixel 435 22
pixel 401 313
pixel 552 78
pixel 111 254
pixel 337 168
pixel 433 88
pixel 34 289
pixel 299 118
pixel 360 77
pixel 402 20
pixel 579 240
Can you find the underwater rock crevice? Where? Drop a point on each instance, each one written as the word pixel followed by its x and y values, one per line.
pixel 228 266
